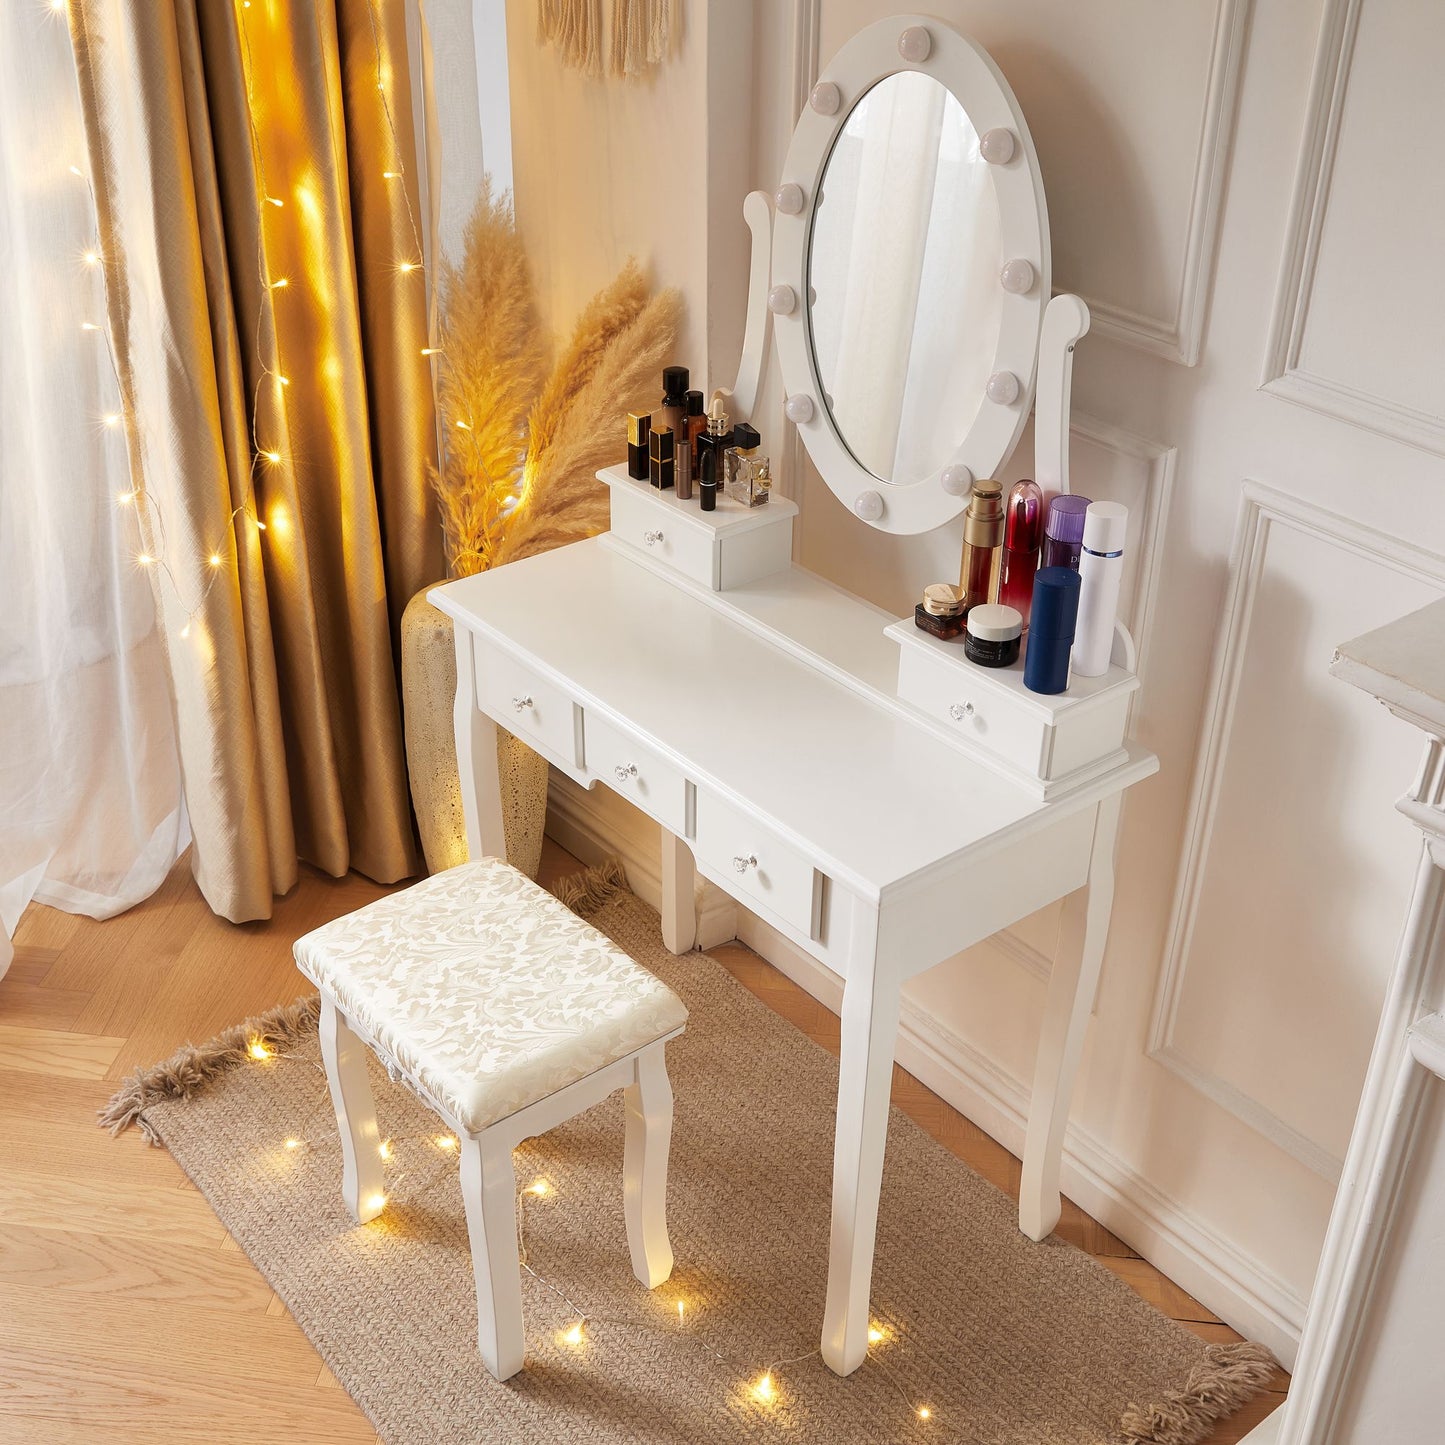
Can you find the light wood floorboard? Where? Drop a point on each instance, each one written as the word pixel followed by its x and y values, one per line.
pixel 129 1314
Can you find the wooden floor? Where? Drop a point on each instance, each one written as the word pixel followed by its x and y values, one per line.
pixel 126 1313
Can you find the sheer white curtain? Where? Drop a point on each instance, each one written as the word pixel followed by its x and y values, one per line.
pixel 91 817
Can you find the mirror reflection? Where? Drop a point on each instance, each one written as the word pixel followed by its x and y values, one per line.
pixel 903 272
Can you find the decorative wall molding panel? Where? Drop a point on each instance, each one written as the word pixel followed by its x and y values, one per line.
pixel 1177 337
pixel 1286 372
pixel 1263 510
pixel 1181 336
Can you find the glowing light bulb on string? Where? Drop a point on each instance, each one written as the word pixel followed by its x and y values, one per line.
pixel 764 1391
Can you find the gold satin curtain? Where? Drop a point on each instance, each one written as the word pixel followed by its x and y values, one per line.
pixel 255 169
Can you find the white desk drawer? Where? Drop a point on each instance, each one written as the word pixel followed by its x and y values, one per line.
pixel 992 719
pixel 527 705
pixel 756 863
pixel 689 549
pixel 636 772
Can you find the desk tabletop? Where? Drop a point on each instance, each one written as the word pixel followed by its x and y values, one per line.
pixel 873 796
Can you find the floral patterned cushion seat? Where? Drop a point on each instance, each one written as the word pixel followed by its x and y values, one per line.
pixel 486 991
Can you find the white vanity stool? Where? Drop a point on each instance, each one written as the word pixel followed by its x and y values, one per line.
pixel 507 1014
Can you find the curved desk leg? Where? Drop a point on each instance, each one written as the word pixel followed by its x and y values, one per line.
pixel 679 911
pixel 477 760
pixel 1072 985
pixel 865 1078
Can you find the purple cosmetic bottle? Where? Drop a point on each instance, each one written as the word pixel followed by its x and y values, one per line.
pixel 1064 532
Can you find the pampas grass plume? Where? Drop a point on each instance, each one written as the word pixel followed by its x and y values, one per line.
pixel 522 446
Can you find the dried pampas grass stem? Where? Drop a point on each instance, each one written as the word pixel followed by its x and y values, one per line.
pixel 523 446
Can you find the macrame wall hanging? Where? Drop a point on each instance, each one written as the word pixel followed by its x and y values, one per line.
pixel 641 34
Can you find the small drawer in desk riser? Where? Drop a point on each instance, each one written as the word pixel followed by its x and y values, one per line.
pixel 1052 740
pixel 527 705
pixel 730 547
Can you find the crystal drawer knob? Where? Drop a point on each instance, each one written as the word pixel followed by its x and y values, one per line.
pixel 652 538
pixel 960 710
pixel 520 704
pixel 743 864
pixel 623 771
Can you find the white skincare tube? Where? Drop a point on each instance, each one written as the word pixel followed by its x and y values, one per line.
pixel 1101 566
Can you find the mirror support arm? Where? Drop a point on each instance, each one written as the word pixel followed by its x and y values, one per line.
pixel 743 395
pixel 1066 320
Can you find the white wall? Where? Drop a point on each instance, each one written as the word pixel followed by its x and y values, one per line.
pixel 1250 199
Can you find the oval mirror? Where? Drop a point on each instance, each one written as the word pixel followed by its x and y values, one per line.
pixel 911 247
pixel 915 297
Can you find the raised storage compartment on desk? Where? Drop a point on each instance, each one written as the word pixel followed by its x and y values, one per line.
pixel 1047 742
pixel 729 547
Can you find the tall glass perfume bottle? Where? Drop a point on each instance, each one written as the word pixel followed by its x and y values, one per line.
pixel 982 543
pixel 747 477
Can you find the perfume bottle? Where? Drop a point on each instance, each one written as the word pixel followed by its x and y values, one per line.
pixel 674 394
pixel 746 476
pixel 694 423
pixel 982 542
pixel 1023 532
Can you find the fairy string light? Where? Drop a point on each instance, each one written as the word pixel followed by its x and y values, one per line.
pixel 269 414
pixel 762 1387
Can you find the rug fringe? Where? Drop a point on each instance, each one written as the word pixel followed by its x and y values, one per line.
pixel 584 893
pixel 192 1066
pixel 1227 1377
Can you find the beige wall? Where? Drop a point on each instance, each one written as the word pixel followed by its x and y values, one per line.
pixel 1262 387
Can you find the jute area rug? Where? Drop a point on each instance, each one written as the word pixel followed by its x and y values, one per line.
pixel 1001 1340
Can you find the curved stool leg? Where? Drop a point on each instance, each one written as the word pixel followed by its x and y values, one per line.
pixel 648 1102
pixel 363 1181
pixel 489 1190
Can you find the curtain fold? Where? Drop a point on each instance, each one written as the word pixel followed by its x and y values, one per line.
pixel 256 173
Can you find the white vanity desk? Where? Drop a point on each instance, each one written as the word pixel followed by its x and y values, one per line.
pixel 921 803
pixel 881 846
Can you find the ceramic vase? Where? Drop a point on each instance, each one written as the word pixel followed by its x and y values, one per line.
pixel 428 689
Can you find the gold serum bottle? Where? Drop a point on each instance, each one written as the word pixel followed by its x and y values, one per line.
pixel 982 543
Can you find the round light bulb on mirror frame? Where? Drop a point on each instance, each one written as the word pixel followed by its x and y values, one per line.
pixel 782 300
pixel 915 45
pixel 789 198
pixel 1003 388
pixel 825 98
pixel 869 506
pixel 997 146
pixel 1017 276
pixel 799 408
pixel 956 479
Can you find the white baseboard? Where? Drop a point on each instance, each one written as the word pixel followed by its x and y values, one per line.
pixel 1234 1285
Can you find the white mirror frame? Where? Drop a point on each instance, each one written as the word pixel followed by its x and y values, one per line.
pixel 925 44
